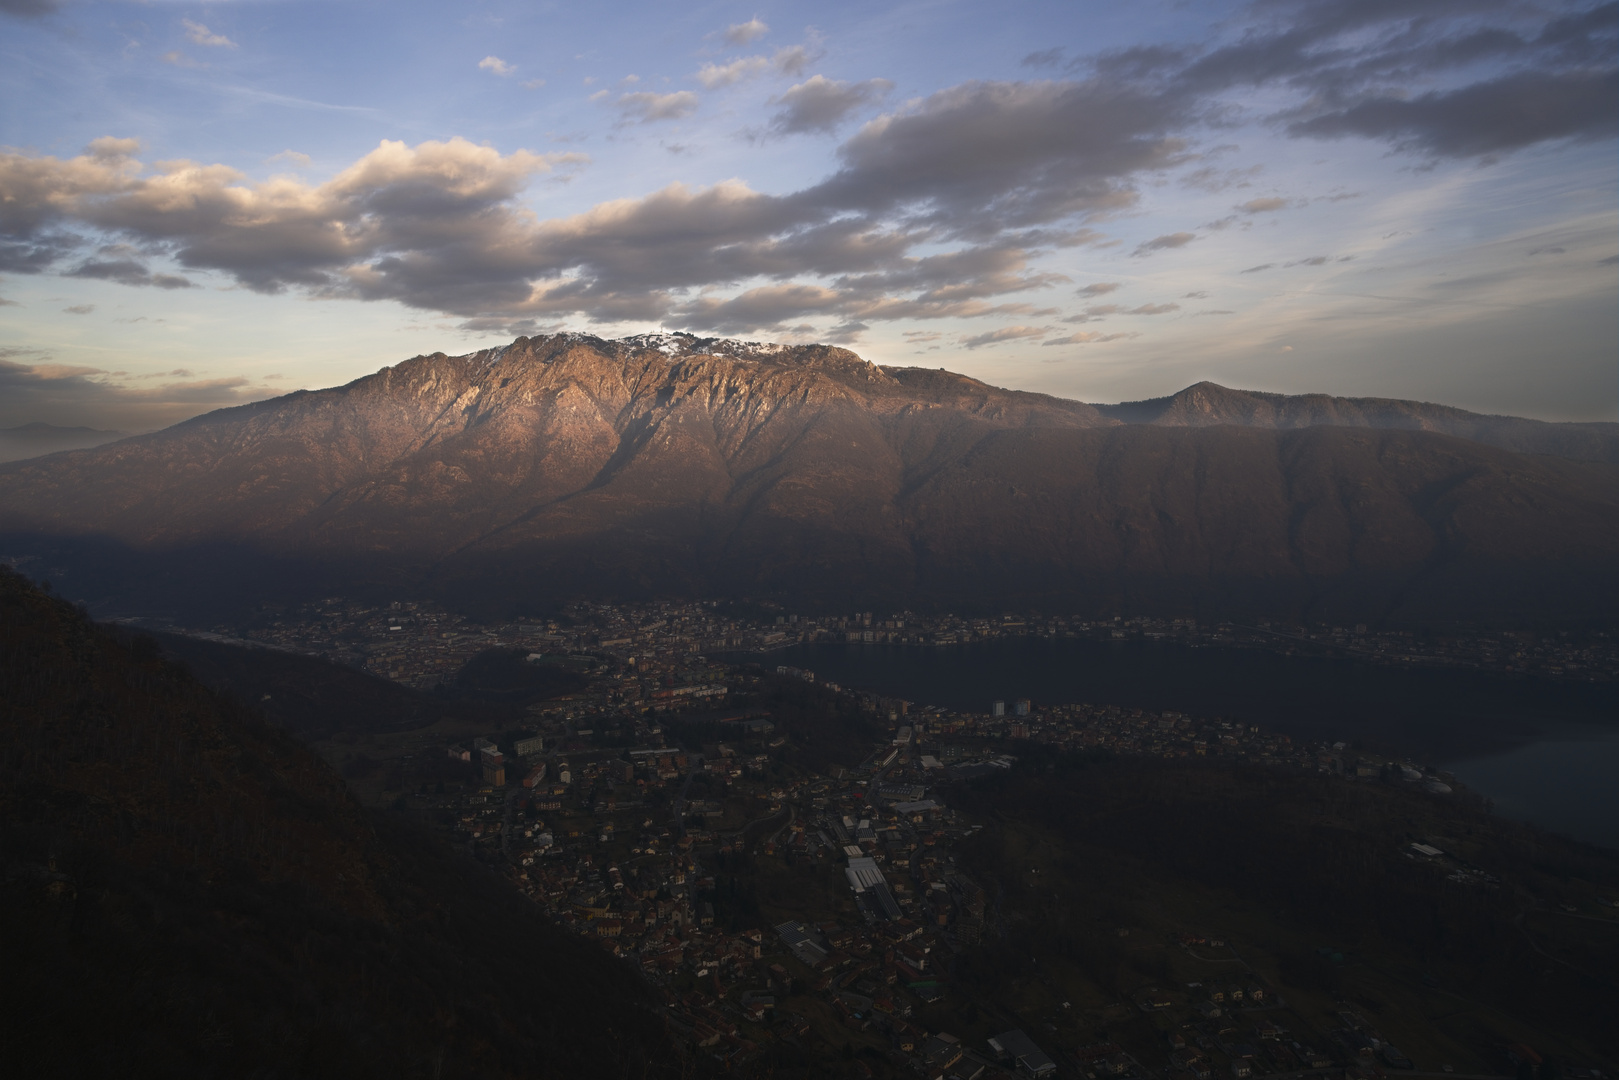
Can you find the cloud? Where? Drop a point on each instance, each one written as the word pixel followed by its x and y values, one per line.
pixel 1257 269
pixel 80 309
pixel 441 226
pixel 1043 58
pixel 533 84
pixel 713 76
pixel 198 34
pixel 983 157
pixel 497 65
pixel 1089 337
pixel 1262 206
pixel 128 271
pixel 1215 180
pixel 1348 68
pixel 1100 288
pixel 1100 311
pixel 821 104
pixel 275 234
pixel 29 8
pixel 1507 113
pixel 794 59
pixel 74 394
pixel 298 160
pixel 180 59
pixel 1167 242
pixel 1006 333
pixel 743 33
pixel 646 107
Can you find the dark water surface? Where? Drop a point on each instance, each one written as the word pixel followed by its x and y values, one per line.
pixel 1545 751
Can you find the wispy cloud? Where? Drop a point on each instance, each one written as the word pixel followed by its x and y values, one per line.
pixel 497 66
pixel 1091 337
pixel 1167 242
pixel 1003 335
pixel 1266 205
pixel 198 34
pixel 646 107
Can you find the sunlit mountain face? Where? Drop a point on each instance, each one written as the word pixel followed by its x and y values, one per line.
pixel 567 466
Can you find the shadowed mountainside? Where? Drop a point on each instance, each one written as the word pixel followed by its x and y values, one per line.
pixel 188 891
pixel 309 697
pixel 667 465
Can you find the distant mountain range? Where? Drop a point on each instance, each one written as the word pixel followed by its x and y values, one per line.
pixel 512 478
pixel 32 440
pixel 1209 404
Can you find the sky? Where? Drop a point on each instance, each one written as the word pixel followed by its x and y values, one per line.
pixel 207 204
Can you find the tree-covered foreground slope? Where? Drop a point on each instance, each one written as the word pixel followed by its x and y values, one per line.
pixel 190 892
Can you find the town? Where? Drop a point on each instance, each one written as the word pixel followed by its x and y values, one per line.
pixel 420 644
pixel 796 887
pixel 774 905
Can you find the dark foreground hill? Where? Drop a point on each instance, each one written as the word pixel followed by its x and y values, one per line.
pixel 513 478
pixel 189 892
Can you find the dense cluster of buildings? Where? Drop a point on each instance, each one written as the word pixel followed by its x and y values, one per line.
pixel 640 848
pixel 616 847
pixel 422 645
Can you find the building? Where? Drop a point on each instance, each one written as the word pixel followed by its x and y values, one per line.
pixel 1018 1048
pixel 493 764
pixel 863 874
pixel 804 942
pixel 531 745
pixel 998 709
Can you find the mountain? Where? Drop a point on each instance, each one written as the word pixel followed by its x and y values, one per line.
pixel 190 892
pixel 1207 404
pixel 32 440
pixel 512 478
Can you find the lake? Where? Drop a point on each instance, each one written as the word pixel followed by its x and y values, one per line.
pixel 1546 751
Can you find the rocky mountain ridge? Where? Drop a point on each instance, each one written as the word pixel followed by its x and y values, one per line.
pixel 673 465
